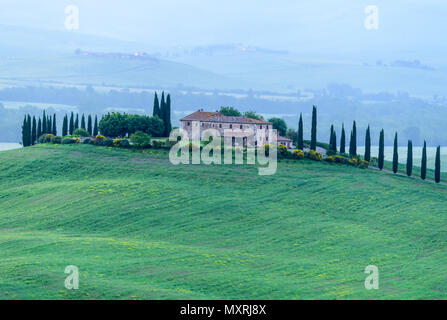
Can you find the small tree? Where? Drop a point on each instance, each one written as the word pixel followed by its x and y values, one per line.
pixel 368 145
pixel 229 111
pixel 300 144
pixel 280 125
pixel 438 165
pixel 71 127
pixel 395 155
pixel 381 149
pixel 409 158
pixel 313 138
pixel 424 161
pixel 343 139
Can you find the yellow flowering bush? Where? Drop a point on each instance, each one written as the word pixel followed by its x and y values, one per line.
pixel 298 154
pixel 313 155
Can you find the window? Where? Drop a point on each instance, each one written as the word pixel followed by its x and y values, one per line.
pixel 267 139
pixel 261 126
pixel 220 125
pixel 267 127
pixel 241 127
pixel 188 124
pixel 231 126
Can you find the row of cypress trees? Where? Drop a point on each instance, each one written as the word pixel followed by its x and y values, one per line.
pixel 367 155
pixel 162 109
pixel 33 128
pixel 69 126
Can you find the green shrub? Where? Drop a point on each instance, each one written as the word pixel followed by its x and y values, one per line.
pixel 56 140
pixel 108 142
pixel 363 164
pixel 313 155
pixel 45 138
pixel 331 153
pixel 331 159
pixel 87 141
pixel 140 139
pixel 81 132
pixel 99 140
pixel 298 154
pixel 122 143
pixel 157 144
pixel 68 140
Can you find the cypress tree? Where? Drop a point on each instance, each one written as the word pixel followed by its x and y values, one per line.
pixel 76 123
pixel 71 128
pixel 162 107
pixel 438 165
pixel 300 133
pixel 343 139
pixel 44 123
pixel 313 138
pixel 167 116
pixel 353 141
pixel 424 162
pixel 95 127
pixel 49 125
pixel 89 125
pixel 368 145
pixel 28 130
pixel 83 126
pixel 156 111
pixel 65 126
pixel 54 125
pixel 34 131
pixel 410 158
pixel 24 138
pixel 39 129
pixel 334 143
pixel 395 155
pixel 381 149
pixel 331 137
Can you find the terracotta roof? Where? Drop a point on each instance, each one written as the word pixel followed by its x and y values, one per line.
pixel 218 117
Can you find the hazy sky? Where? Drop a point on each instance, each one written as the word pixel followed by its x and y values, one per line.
pixel 285 24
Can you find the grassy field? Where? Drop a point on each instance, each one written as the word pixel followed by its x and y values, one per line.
pixel 140 228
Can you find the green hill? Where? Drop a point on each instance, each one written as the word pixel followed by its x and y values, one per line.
pixel 139 227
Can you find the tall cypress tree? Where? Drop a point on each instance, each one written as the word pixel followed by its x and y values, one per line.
pixel 368 145
pixel 381 149
pixel 83 126
pixel 167 116
pixel 353 142
pixel 76 123
pixel 300 133
pixel 65 126
pixel 24 137
pixel 156 110
pixel 343 139
pixel 34 131
pixel 424 161
pixel 162 107
pixel 71 127
pixel 54 125
pixel 395 155
pixel 95 127
pixel 49 125
pixel 89 125
pixel 44 123
pixel 39 129
pixel 334 141
pixel 331 136
pixel 313 137
pixel 29 130
pixel 438 165
pixel 409 158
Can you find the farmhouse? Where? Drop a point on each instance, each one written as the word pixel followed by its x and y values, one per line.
pixel 203 120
